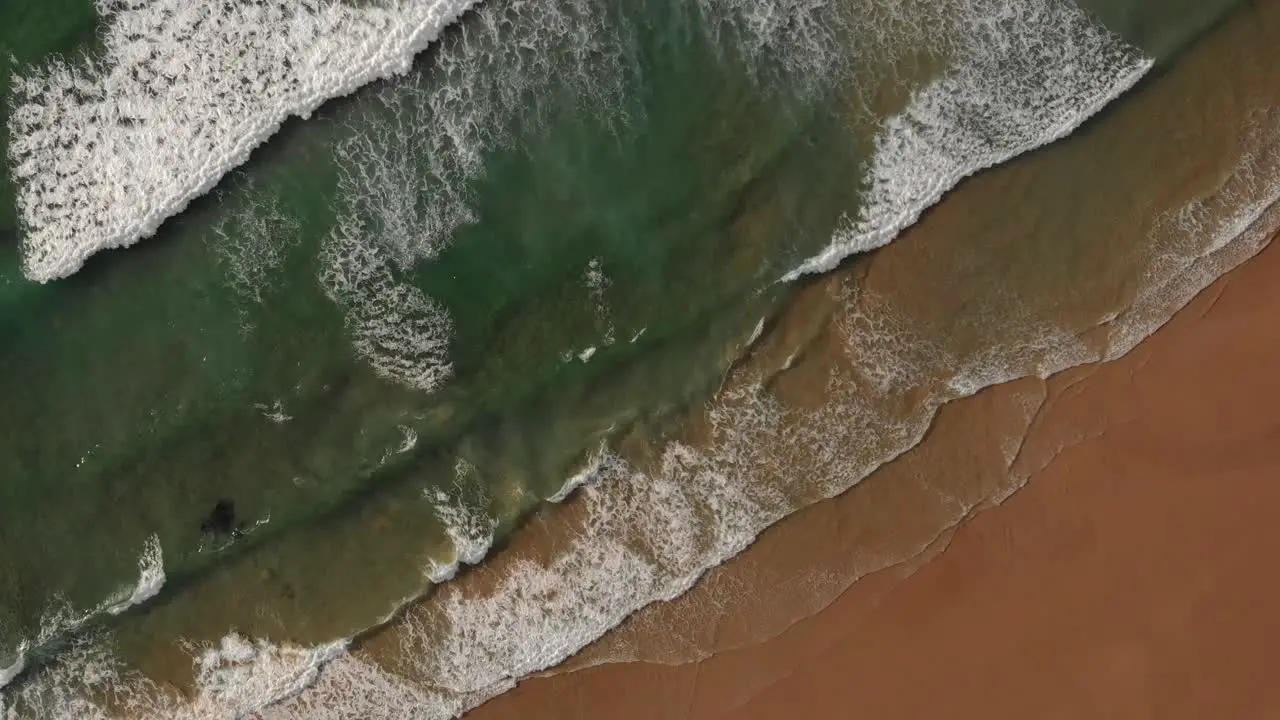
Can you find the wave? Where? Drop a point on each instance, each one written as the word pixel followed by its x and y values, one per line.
pixel 1028 73
pixel 15 668
pixel 150 579
pixel 61 621
pixel 464 513
pixel 648 536
pixel 589 473
pixel 403 178
pixel 104 150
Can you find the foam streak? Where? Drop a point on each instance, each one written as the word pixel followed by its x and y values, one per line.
pixel 1029 73
pixel 105 150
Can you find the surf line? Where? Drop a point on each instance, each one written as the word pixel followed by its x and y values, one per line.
pixel 103 153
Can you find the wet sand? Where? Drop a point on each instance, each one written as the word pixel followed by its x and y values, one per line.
pixel 1007 264
pixel 1124 571
pixel 1128 579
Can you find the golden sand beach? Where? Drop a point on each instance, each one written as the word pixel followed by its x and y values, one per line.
pixel 1127 579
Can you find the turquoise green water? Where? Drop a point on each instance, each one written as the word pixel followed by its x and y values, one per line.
pixel 634 196
pixel 138 392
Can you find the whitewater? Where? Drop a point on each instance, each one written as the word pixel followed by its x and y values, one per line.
pixel 104 150
pixel 63 622
pixel 647 537
pixel 1026 73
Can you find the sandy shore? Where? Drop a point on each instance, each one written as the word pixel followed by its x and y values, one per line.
pixel 1128 579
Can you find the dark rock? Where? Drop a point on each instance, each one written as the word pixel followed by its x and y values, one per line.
pixel 221 520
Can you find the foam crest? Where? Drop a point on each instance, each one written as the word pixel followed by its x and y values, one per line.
pixel 464 511
pixel 648 536
pixel 404 177
pixel 1025 74
pixel 401 332
pixel 150 578
pixel 104 150
pixel 591 471
pixel 15 668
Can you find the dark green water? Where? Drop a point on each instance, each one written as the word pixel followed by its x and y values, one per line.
pixel 218 386
pixel 137 392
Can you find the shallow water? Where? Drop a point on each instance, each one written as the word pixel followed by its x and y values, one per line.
pixel 410 318
pixel 282 347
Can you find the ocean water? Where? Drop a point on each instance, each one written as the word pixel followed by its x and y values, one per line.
pixel 378 347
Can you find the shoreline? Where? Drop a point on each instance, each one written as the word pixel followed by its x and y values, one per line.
pixel 1012 411
pixel 984 447
pixel 1134 500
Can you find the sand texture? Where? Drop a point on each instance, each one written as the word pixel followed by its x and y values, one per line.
pixel 1128 579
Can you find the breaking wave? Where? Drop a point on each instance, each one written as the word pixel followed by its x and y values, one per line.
pixel 1027 74
pixel 61 620
pixel 15 668
pixel 464 512
pixel 150 579
pixel 649 535
pixel 404 177
pixel 106 149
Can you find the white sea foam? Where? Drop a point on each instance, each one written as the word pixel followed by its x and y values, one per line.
pixel 7 674
pixel 1211 235
pixel 804 42
pixel 1027 73
pixel 756 333
pixel 397 328
pixel 597 285
pixel 409 441
pixel 404 177
pixel 649 536
pixel 589 473
pixel 61 620
pixel 251 242
pixel 464 511
pixel 275 412
pixel 104 150
pixel 150 578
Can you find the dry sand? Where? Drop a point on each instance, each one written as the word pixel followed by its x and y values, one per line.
pixel 1132 578
pixel 1090 577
